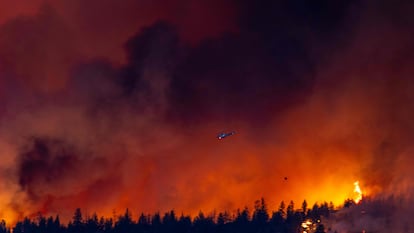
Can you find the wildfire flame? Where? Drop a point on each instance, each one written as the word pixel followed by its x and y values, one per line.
pixel 307 225
pixel 358 192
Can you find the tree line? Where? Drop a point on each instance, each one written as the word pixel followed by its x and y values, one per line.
pixel 287 219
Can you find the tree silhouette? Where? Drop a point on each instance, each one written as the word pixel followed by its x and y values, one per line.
pixel 304 209
pixel 290 210
pixel 293 218
pixel 76 226
pixel 143 220
pixel 348 203
pixel 314 213
pixel 284 220
pixel 184 224
pixel 25 226
pixel 124 223
pixel 77 217
pixel 3 228
pixel 108 225
pixel 282 208
pixel 260 216
pixel 243 217
pixel 169 222
pixel 41 222
pixel 143 224
pixel 277 222
pixel 50 225
pixel 203 224
pixel 92 224
pixel 324 210
pixel 223 218
pixel 156 223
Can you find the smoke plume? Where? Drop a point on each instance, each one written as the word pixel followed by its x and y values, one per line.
pixel 124 110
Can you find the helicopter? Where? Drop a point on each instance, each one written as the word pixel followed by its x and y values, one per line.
pixel 225 134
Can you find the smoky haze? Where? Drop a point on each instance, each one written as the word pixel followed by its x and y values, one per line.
pixel 318 92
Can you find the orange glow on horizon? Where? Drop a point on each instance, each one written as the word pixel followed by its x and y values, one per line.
pixel 10 217
pixel 222 176
pixel 350 122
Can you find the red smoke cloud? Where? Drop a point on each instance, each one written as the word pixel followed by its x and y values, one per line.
pixel 139 132
pixel 41 40
pixel 11 9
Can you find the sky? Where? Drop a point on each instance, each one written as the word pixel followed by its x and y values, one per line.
pixel 107 105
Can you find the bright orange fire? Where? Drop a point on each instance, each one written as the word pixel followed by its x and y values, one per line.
pixel 144 161
pixel 10 216
pixel 358 192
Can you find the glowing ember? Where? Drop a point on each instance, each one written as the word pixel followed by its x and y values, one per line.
pixel 357 191
pixel 308 226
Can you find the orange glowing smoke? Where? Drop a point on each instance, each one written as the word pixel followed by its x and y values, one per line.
pixel 358 192
pixel 358 118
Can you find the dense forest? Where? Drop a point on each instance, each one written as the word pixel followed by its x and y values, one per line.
pixel 287 219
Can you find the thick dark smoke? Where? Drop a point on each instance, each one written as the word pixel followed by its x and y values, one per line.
pixel 265 68
pixel 318 91
pixel 45 162
pixel 50 166
pixel 69 145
